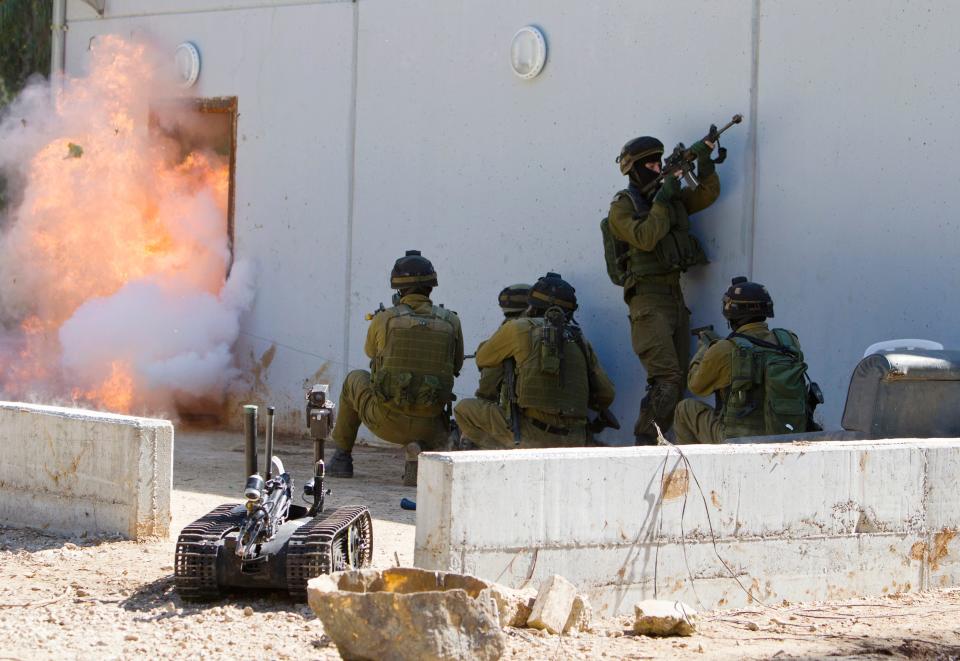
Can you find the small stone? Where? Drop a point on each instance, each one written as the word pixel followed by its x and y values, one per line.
pixel 553 605
pixel 247 611
pixel 170 607
pixel 131 636
pixel 655 617
pixel 70 546
pixel 753 626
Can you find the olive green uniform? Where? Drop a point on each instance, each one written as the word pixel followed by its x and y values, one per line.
pixel 659 318
pixel 491 378
pixel 710 372
pixel 562 424
pixel 362 402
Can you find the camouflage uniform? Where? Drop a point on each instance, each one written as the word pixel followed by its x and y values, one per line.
pixel 659 318
pixel 361 403
pixel 710 372
pixel 486 423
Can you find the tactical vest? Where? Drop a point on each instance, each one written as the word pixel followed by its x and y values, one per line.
pixel 768 388
pixel 677 251
pixel 415 370
pixel 546 385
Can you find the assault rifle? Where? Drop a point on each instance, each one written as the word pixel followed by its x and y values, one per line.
pixel 681 161
pixel 510 386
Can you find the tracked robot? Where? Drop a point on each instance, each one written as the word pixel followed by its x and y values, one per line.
pixel 268 542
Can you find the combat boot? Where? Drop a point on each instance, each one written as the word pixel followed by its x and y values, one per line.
pixel 340 465
pixel 411 451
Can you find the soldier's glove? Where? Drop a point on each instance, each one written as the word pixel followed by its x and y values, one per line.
pixel 705 166
pixel 669 190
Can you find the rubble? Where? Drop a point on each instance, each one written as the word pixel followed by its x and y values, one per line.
pixel 581 616
pixel 554 605
pixel 512 607
pixel 656 617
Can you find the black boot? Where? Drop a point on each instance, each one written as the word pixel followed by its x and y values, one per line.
pixel 340 465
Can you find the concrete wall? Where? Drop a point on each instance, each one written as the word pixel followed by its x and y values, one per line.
pixel 801 521
pixel 73 471
pixel 838 192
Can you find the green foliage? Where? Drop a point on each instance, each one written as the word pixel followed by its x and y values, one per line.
pixel 24 50
pixel 24 43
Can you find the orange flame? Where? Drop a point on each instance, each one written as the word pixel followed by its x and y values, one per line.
pixel 107 202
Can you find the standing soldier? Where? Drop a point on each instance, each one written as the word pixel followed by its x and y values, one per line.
pixel 416 351
pixel 557 377
pixel 652 244
pixel 758 374
pixel 513 302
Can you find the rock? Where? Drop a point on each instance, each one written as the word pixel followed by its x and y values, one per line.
pixel 247 611
pixel 402 614
pixel 551 610
pixel 655 617
pixel 581 615
pixel 510 607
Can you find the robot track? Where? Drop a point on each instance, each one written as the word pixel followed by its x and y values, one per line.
pixel 337 541
pixel 195 565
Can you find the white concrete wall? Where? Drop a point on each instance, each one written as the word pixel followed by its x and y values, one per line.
pixel 73 471
pixel 838 192
pixel 801 521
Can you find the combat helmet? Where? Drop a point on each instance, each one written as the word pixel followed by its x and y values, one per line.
pixel 412 271
pixel 645 149
pixel 746 300
pixel 552 290
pixel 513 299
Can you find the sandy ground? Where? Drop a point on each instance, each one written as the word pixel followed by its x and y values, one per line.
pixel 84 598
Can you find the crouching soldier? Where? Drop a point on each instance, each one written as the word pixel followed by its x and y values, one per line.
pixel 758 375
pixel 416 351
pixel 513 303
pixel 554 371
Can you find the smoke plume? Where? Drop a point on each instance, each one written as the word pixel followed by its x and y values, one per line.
pixel 114 247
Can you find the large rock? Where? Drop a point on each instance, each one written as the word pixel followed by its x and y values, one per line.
pixel 406 614
pixel 655 617
pixel 553 605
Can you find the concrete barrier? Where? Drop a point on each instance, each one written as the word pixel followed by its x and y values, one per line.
pixel 69 471
pixel 728 525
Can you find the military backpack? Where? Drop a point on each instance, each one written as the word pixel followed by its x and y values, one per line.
pixel 555 377
pixel 768 388
pixel 415 371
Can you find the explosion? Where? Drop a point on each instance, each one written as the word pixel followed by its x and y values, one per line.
pixel 114 250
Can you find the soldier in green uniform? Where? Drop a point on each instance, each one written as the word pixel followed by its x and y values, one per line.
pixel 513 303
pixel 416 351
pixel 558 376
pixel 656 246
pixel 757 373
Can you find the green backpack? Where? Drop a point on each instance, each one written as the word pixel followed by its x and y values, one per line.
pixel 615 251
pixel 768 388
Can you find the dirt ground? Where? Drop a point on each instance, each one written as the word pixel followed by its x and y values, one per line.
pixel 86 598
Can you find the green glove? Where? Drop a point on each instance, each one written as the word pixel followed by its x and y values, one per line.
pixel 669 190
pixel 705 166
